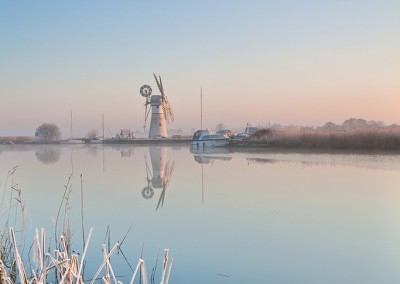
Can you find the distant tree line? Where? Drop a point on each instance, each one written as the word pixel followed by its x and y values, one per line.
pixel 354 123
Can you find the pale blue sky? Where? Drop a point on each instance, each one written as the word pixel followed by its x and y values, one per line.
pixel 288 62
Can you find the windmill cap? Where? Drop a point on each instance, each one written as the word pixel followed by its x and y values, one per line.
pixel 155 99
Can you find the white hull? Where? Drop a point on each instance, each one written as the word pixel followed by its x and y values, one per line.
pixel 96 141
pixel 73 141
pixel 209 143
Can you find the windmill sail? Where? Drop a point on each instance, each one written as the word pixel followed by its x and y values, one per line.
pixel 168 111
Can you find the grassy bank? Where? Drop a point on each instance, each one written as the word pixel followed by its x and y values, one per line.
pixel 356 139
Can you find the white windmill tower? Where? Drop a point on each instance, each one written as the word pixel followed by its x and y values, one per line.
pixel 161 110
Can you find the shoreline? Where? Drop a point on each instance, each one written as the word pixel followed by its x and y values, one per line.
pixel 233 146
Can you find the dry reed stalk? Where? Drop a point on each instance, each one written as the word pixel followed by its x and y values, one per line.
pixel 43 251
pixel 3 274
pixel 66 186
pixel 143 272
pixel 104 263
pixel 169 270
pixel 22 274
pixel 107 278
pixel 136 270
pixel 165 263
pixel 83 226
pixel 84 252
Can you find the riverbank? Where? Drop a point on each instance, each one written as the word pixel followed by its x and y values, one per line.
pixel 351 139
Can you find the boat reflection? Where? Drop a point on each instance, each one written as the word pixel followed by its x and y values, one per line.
pixel 209 155
pixel 159 175
pixel 209 159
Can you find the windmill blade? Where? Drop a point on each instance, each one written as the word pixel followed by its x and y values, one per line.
pixel 170 171
pixel 148 171
pixel 162 88
pixel 166 171
pixel 161 199
pixel 165 110
pixel 146 115
pixel 170 112
pixel 158 84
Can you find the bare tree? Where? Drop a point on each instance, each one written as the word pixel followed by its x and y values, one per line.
pixel 92 134
pixel 48 132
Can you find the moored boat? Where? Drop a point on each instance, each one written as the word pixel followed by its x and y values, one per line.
pixel 73 141
pixel 208 138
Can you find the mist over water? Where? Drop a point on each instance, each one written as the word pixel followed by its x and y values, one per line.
pixel 227 217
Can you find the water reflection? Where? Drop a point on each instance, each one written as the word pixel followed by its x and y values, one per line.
pixel 261 160
pixel 93 150
pixel 210 159
pixel 126 151
pixel 48 154
pixel 208 155
pixel 160 174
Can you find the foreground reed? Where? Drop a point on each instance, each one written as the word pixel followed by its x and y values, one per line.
pixel 68 268
pixel 60 264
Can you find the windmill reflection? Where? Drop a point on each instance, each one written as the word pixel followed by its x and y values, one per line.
pixel 160 174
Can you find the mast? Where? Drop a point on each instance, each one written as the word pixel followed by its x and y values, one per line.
pixel 70 127
pixel 102 123
pixel 201 108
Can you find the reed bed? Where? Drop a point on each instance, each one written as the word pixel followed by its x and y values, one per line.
pixel 68 268
pixel 56 262
pixel 356 139
pixel 16 139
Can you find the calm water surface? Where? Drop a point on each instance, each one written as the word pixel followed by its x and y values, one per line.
pixel 227 217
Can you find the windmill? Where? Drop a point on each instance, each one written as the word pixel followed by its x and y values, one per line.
pixel 161 110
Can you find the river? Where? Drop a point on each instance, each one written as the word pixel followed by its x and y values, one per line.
pixel 249 216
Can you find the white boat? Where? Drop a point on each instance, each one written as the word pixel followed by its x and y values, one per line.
pixel 96 141
pixel 247 133
pixel 208 138
pixel 73 141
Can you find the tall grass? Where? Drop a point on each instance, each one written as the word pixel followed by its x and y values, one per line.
pixel 12 211
pixel 359 139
